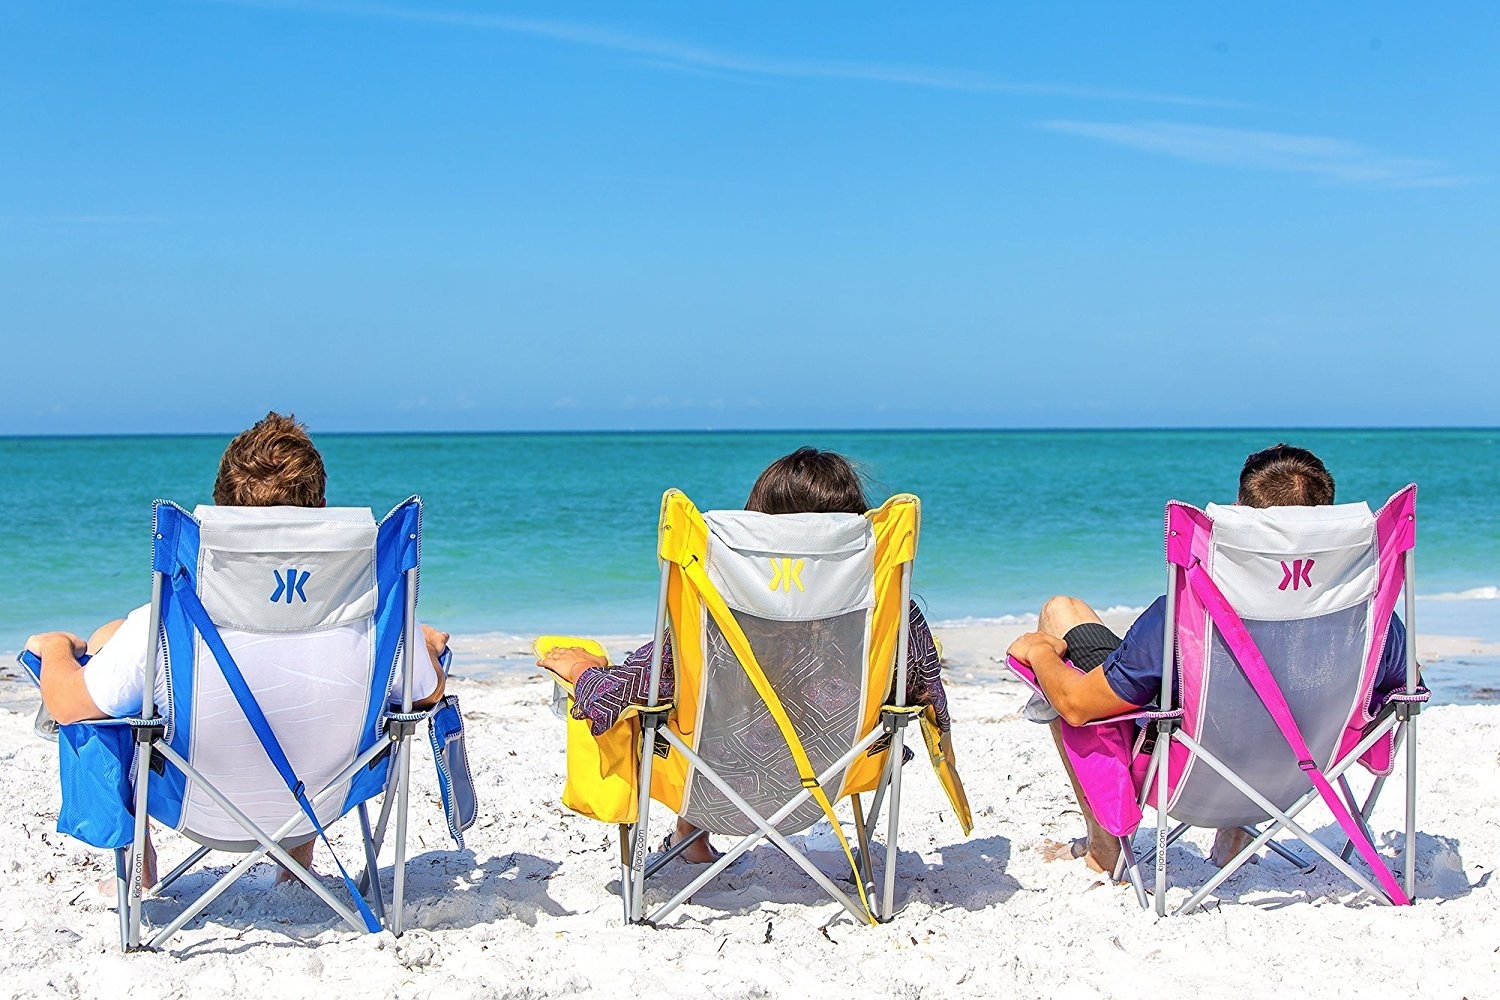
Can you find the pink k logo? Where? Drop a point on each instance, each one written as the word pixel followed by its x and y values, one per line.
pixel 1297 574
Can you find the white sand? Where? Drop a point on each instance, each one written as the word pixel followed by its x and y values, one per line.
pixel 529 910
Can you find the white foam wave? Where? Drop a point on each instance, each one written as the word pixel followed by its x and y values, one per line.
pixel 977 622
pixel 1029 620
pixel 1472 594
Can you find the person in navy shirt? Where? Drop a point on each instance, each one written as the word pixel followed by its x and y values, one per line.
pixel 1121 675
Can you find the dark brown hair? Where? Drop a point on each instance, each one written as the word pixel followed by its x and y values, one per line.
pixel 809 481
pixel 1285 476
pixel 273 464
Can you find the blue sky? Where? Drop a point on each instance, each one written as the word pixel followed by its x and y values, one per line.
pixel 458 215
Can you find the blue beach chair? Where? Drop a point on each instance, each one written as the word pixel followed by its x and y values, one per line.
pixel 283 634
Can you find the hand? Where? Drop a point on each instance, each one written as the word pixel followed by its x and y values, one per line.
pixel 570 661
pixel 54 643
pixel 1032 643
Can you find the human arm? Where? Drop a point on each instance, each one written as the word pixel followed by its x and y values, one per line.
pixel 924 670
pixel 1079 697
pixel 1391 674
pixel 63 690
pixel 601 693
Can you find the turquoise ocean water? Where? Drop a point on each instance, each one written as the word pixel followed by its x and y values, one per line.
pixel 530 533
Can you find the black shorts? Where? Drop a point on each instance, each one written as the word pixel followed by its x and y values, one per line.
pixel 1090 644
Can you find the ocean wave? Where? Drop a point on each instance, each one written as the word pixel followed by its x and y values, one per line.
pixel 1029 620
pixel 976 622
pixel 1472 594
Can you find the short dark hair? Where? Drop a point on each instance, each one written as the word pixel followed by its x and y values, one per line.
pixel 1285 476
pixel 809 481
pixel 273 464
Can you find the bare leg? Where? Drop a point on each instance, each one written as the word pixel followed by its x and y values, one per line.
pixel 1227 843
pixel 1100 849
pixel 1060 614
pixel 303 855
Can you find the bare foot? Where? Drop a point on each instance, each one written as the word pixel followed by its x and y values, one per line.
pixel 1100 859
pixel 1228 844
pixel 699 852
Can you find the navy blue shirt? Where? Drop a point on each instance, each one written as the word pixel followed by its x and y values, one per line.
pixel 1133 671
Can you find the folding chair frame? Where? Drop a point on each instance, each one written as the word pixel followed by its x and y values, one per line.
pixel 150 731
pixel 1399 715
pixel 634 838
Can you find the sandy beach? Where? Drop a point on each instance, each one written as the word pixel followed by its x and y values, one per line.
pixel 529 910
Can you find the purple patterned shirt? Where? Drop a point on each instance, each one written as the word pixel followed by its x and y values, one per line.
pixel 600 694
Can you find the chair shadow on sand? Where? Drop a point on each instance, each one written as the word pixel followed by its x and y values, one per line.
pixel 1274 882
pixel 444 890
pixel 968 874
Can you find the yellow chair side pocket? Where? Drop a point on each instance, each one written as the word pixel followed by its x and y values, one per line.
pixel 602 770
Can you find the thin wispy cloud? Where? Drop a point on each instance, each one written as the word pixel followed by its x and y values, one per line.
pixel 667 53
pixel 1337 160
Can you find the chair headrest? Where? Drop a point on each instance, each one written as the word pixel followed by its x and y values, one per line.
pixel 792 567
pixel 286 569
pixel 1285 563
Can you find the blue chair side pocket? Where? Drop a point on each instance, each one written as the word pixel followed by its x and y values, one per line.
pixel 94 763
pixel 446 732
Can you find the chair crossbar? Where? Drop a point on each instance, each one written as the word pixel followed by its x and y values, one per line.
pixel 372 864
pixel 673 850
pixel 1263 838
pixel 269 843
pixel 767 829
pixel 1283 819
pixel 181 870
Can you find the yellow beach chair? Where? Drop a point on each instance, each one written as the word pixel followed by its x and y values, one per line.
pixel 789 638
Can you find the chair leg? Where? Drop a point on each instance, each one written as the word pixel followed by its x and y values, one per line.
pixel 1410 860
pixel 636 890
pixel 1292 856
pixel 398 876
pixel 865 872
pixel 138 846
pixel 893 824
pixel 1128 865
pixel 122 894
pixel 1360 813
pixel 1173 836
pixel 369 882
pixel 625 873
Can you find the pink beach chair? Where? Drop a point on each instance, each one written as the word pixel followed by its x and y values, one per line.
pixel 1278 618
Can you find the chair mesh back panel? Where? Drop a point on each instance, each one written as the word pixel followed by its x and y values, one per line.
pixel 816 668
pixel 1317 663
pixel 801 588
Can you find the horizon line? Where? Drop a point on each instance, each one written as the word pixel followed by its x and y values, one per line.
pixel 573 432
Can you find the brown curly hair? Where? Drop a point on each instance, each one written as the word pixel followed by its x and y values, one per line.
pixel 273 464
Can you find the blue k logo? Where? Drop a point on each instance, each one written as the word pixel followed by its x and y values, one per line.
pixel 290 585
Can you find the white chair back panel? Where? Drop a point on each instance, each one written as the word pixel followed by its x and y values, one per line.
pixel 313 689
pixel 792 567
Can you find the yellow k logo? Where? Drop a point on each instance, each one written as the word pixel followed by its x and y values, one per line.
pixel 786 573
